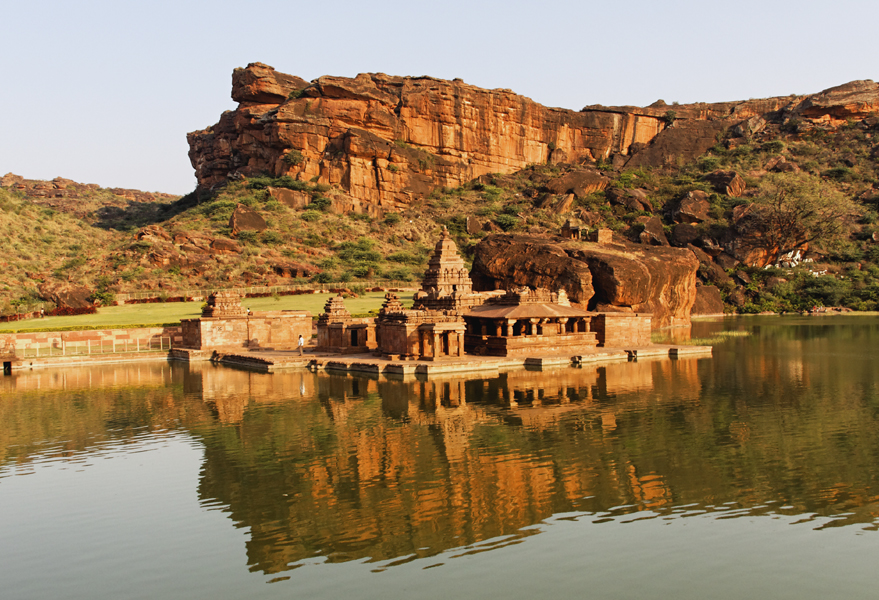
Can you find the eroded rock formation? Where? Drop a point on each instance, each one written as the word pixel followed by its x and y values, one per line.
pixel 604 277
pixel 385 141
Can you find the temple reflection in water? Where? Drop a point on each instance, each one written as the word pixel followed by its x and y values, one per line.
pixel 353 467
pixel 391 468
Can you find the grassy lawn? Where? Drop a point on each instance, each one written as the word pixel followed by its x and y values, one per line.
pixel 149 314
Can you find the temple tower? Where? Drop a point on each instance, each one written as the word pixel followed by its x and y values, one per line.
pixel 446 274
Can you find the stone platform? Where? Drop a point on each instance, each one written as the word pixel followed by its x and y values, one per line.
pixel 271 361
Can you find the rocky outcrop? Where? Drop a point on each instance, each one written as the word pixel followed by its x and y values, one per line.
pixel 608 277
pixel 727 182
pixel 507 261
pixel 692 208
pixel 64 294
pixel 853 100
pixel 708 301
pixel 386 141
pixel 246 219
pixel 682 142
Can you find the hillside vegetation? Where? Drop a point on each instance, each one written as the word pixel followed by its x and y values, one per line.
pixel 799 188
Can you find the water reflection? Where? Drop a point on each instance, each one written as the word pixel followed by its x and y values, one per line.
pixel 782 421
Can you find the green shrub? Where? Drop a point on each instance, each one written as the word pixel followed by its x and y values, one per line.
pixel 399 274
pixel 360 251
pixel 709 163
pixel 293 157
pixel 839 173
pixel 247 237
pixel 405 258
pixel 271 238
pixel 506 222
pixel 322 278
pixel 773 147
pixel 320 203
pixel 362 271
pixel 132 274
pixel 310 216
pixel 285 181
pixel 219 210
pixel 392 219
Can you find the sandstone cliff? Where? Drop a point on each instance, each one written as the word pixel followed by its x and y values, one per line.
pixel 389 140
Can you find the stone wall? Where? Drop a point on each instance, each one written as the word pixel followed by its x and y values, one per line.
pixel 276 330
pixel 123 340
pixel 622 330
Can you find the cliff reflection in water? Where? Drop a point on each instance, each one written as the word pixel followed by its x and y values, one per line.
pixel 782 421
pixel 386 469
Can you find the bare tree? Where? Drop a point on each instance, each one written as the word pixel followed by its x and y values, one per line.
pixel 795 209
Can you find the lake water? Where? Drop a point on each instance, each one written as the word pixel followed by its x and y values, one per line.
pixel 750 474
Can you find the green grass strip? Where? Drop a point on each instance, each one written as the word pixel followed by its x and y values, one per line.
pixel 91 327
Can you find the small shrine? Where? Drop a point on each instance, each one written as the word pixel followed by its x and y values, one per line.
pixel 224 304
pixel 571 230
pixel 418 333
pixel 433 328
pixel 339 332
pixel 225 324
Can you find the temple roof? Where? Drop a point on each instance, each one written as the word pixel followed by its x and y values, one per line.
pixel 530 310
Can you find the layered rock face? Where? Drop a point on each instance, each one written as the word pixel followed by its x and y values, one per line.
pixel 386 141
pixel 604 277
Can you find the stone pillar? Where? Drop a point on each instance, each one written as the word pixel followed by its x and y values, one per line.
pixel 533 323
pixel 497 327
pixel 460 337
pixel 437 344
pixel 562 322
pixel 508 327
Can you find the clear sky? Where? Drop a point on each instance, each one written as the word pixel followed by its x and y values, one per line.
pixel 104 92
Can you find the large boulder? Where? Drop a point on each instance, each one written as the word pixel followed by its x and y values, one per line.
pixel 683 142
pixel 507 261
pixel 261 84
pixel 246 219
pixel 708 301
pixel 290 198
pixel 652 232
pixel 627 277
pixel 65 294
pixel 854 100
pixel 580 182
pixel 692 208
pixel 634 200
pixel 727 182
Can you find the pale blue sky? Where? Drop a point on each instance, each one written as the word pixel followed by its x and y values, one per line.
pixel 105 91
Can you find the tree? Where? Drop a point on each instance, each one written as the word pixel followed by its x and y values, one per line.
pixel 795 209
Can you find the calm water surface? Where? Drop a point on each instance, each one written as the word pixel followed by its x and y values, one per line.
pixel 749 474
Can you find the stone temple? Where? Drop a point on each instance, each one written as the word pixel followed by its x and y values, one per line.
pixel 448 320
